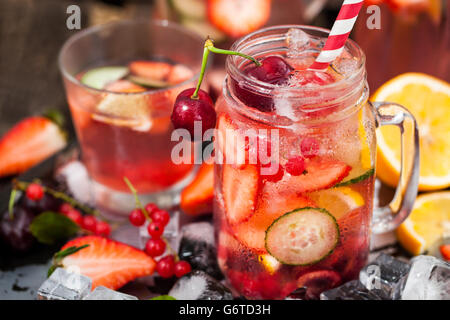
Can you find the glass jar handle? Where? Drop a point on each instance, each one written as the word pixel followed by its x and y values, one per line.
pixel 387 218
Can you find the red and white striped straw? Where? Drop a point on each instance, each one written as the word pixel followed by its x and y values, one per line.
pixel 338 35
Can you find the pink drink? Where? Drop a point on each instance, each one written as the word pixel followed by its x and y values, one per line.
pixel 310 229
pixel 121 81
pixel 138 146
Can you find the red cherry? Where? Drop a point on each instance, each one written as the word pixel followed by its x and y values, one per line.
pixel 89 223
pixel 295 165
pixel 186 111
pixel 155 247
pixel 273 70
pixel 150 208
pixel 75 216
pixel 137 217
pixel 182 268
pixel 165 267
pixel 309 147
pixel 35 192
pixel 155 229
pixel 65 208
pixel 161 216
pixel 102 228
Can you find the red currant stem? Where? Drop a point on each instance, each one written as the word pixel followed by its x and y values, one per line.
pixel 136 198
pixel 170 249
pixel 147 216
pixel 209 47
pixel 12 200
pixel 21 185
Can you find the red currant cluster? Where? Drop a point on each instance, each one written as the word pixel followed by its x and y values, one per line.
pixel 89 223
pixel 169 265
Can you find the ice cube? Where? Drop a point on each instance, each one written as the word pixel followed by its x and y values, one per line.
pixel 65 285
pixel 198 285
pixel 353 290
pixel 171 232
pixel 384 273
pixel 74 174
pixel 297 41
pixel 198 248
pixel 103 293
pixel 428 279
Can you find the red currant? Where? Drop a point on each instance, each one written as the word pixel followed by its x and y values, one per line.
pixel 155 247
pixel 165 267
pixel 155 229
pixel 75 216
pixel 65 208
pixel 137 217
pixel 182 268
pixel 161 216
pixel 309 147
pixel 102 228
pixel 150 208
pixel 295 165
pixel 35 192
pixel 89 223
pixel 274 177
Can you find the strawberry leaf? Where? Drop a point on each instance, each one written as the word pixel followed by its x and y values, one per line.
pixel 50 227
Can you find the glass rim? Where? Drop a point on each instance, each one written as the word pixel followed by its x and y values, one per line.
pixel 233 69
pixel 97 28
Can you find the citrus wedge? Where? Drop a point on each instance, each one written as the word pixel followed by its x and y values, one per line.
pixel 428 222
pixel 428 99
pixel 338 201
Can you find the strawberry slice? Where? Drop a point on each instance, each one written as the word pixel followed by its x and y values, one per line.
pixel 154 70
pixel 179 73
pixel 29 142
pixel 238 17
pixel 197 197
pixel 228 142
pixel 320 174
pixel 108 263
pixel 240 189
pixel 241 147
pixel 124 86
pixel 252 232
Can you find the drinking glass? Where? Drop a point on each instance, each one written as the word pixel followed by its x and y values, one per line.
pixel 137 146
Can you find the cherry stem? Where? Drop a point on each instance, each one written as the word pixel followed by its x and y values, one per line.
pixel 147 216
pixel 209 47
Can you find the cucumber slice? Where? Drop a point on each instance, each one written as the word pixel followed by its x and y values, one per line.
pixel 194 9
pixel 98 78
pixel 302 237
pixel 149 83
pixel 351 179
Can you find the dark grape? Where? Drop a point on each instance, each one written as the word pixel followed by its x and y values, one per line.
pixel 47 203
pixel 15 232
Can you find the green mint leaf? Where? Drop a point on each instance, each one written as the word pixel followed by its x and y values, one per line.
pixel 163 297
pixel 49 227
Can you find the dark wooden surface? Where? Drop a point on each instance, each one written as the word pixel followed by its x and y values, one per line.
pixel 31 35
